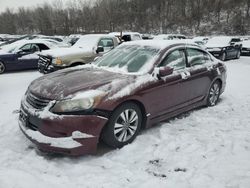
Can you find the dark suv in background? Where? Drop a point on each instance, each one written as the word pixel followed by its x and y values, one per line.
pixel 225 47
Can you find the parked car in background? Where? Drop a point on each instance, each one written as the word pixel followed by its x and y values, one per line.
pixel 245 47
pixel 22 55
pixel 85 50
pixel 59 44
pixel 225 47
pixel 134 86
pixel 169 37
pixel 200 40
pixel 127 36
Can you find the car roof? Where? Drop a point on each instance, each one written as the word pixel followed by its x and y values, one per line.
pixel 160 44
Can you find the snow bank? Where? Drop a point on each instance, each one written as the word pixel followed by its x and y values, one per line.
pixel 208 147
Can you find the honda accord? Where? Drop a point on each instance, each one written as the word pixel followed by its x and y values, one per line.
pixel 133 87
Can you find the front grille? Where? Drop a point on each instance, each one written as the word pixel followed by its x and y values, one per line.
pixel 44 62
pixel 32 126
pixel 36 102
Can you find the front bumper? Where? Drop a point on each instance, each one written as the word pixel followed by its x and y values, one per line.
pixel 216 54
pixel 245 51
pixel 45 69
pixel 69 135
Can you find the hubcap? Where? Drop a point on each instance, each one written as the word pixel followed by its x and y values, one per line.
pixel 214 94
pixel 223 57
pixel 126 125
pixel 238 54
pixel 1 67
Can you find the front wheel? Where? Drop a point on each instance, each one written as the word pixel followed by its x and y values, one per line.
pixel 123 126
pixel 223 56
pixel 2 68
pixel 238 55
pixel 214 94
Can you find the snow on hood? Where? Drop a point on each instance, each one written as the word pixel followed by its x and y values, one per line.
pixel 246 44
pixel 66 83
pixel 217 42
pixel 62 52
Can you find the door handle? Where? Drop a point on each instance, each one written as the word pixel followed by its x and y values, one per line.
pixel 185 75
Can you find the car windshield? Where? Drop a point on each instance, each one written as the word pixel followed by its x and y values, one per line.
pixel 129 59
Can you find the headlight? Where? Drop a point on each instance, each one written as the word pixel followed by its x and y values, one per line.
pixel 57 61
pixel 78 103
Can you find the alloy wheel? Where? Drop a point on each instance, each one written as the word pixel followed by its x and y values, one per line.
pixel 214 94
pixel 2 67
pixel 126 125
pixel 238 55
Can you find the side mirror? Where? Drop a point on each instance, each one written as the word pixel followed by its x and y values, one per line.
pixel 160 72
pixel 232 44
pixel 99 49
pixel 21 52
pixel 165 71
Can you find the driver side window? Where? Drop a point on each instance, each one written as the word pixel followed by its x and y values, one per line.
pixel 197 57
pixel 175 59
pixel 26 48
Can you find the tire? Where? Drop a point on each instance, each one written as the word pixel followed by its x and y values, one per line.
pixel 2 67
pixel 223 56
pixel 123 125
pixel 238 55
pixel 214 94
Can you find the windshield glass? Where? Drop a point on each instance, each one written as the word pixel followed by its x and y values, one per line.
pixel 129 59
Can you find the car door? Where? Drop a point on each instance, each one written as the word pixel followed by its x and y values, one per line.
pixel 168 93
pixel 27 58
pixel 200 74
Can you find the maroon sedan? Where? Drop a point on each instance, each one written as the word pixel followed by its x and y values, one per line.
pixel 135 86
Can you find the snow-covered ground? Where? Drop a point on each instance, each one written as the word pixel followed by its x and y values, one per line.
pixel 208 147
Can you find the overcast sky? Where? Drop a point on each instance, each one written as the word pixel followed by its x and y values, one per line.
pixel 13 4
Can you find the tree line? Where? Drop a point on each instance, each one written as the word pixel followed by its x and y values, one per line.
pixel 190 17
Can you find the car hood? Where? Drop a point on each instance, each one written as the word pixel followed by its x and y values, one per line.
pixel 66 83
pixel 4 53
pixel 64 52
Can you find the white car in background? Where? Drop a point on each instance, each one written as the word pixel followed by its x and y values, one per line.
pixel 85 50
pixel 127 36
pixel 169 37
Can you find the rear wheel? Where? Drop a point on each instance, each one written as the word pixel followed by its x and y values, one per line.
pixel 214 94
pixel 123 126
pixel 2 67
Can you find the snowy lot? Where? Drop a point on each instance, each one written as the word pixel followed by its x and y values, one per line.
pixel 209 147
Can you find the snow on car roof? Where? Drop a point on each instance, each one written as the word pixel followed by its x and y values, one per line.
pixel 160 44
pixel 89 40
pixel 246 43
pixel 18 44
pixel 219 41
